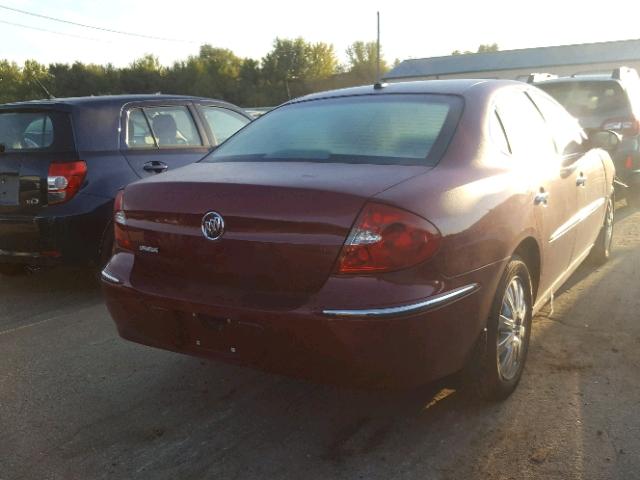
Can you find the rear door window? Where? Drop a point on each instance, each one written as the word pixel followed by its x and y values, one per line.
pixel 139 133
pixel 26 130
pixel 528 134
pixel 162 127
pixel 565 129
pixel 223 122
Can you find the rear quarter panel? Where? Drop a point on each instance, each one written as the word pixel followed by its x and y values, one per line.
pixel 481 204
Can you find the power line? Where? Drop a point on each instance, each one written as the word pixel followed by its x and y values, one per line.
pixel 120 32
pixel 52 31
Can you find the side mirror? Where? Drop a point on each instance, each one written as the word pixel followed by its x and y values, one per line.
pixel 605 139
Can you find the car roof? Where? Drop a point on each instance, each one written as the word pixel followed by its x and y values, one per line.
pixel 442 87
pixel 104 100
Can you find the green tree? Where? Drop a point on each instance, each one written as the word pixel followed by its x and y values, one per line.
pixel 214 72
pixel 293 67
pixel 285 64
pixel 362 61
pixel 82 79
pixel 143 75
pixel 488 47
pixel 321 61
pixel 10 81
pixel 251 84
pixel 483 48
pixel 34 77
pixel 292 64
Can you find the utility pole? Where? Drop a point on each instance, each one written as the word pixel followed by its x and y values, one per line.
pixel 378 51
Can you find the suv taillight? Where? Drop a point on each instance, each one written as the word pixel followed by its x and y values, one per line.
pixel 626 126
pixel 122 240
pixel 386 239
pixel 64 180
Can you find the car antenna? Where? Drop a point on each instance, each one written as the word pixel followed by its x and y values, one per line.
pixel 49 95
pixel 379 84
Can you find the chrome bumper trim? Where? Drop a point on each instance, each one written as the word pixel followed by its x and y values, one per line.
pixel 433 302
pixel 108 277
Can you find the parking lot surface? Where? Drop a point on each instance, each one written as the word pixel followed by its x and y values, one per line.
pixel 77 402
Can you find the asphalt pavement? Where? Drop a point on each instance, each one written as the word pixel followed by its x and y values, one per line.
pixel 77 402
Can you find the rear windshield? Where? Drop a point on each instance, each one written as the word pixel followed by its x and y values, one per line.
pixel 590 99
pixel 34 131
pixel 387 129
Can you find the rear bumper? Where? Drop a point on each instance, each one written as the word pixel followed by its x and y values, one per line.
pixel 391 348
pixel 62 235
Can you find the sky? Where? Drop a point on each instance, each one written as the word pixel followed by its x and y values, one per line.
pixel 409 29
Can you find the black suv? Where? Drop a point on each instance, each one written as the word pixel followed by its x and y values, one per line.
pixel 62 162
pixel 604 102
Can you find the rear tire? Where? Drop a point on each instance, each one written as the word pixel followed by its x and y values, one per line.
pixel 601 251
pixel 496 366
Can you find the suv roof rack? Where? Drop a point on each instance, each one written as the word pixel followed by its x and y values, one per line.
pixel 540 77
pixel 619 73
pixel 625 73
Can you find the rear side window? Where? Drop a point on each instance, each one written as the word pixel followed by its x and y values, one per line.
pixel 390 129
pixel 162 127
pixel 565 129
pixel 223 122
pixel 26 130
pixel 527 132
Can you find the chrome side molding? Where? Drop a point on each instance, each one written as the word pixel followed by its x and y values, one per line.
pixel 109 277
pixel 433 302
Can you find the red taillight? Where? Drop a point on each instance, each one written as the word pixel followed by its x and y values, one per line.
pixel 122 240
pixel 628 163
pixel 385 239
pixel 64 181
pixel 626 126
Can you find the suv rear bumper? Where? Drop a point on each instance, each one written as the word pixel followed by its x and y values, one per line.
pixel 61 236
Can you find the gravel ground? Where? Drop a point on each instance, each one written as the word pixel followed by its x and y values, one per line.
pixel 77 402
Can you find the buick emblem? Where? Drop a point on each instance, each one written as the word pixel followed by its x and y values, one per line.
pixel 212 226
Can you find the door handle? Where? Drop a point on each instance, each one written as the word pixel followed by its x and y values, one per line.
pixel 541 198
pixel 155 166
pixel 581 181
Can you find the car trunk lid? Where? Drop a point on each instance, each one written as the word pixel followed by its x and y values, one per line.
pixel 285 224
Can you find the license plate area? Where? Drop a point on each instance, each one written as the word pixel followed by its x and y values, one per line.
pixel 9 189
pixel 223 335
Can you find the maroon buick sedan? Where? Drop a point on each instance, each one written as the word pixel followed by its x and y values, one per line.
pixel 394 234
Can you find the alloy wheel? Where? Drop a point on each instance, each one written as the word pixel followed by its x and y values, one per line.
pixel 512 329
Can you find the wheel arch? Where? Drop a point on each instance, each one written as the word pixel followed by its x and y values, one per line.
pixel 529 250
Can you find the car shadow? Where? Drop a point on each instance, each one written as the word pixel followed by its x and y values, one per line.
pixel 46 292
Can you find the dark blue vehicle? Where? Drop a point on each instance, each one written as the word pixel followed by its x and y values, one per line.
pixel 63 160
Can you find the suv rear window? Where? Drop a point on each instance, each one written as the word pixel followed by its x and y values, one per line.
pixel 26 130
pixel 389 129
pixel 29 130
pixel 589 98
